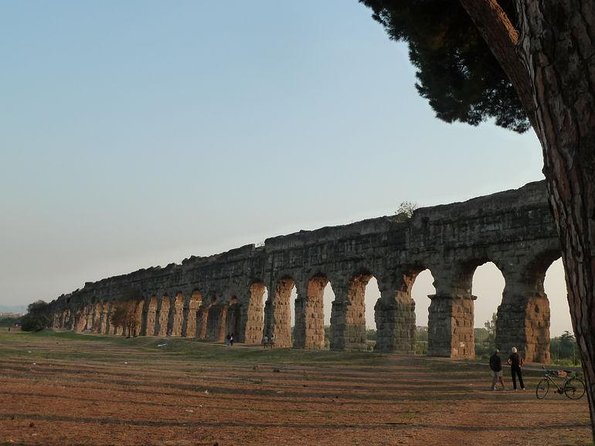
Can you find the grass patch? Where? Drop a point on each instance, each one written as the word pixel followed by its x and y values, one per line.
pixel 89 347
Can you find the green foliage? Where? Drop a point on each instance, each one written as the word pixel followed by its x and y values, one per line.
pixel 37 317
pixel 38 306
pixel 405 211
pixel 564 349
pixel 371 334
pixel 8 321
pixel 485 339
pixel 421 334
pixel 456 71
pixel 421 340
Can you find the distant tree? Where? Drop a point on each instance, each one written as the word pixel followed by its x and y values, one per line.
pixel 124 316
pixel 421 340
pixel 37 317
pixel 8 321
pixel 564 348
pixel 490 326
pixel 421 334
pixel 485 338
pixel 405 211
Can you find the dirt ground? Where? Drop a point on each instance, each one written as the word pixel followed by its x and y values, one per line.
pixel 65 389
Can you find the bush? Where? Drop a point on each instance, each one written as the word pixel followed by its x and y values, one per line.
pixel 564 349
pixel 37 317
pixel 34 322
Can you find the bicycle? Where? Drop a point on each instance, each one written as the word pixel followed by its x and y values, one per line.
pixel 565 381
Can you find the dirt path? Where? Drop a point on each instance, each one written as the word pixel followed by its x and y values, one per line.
pixel 101 392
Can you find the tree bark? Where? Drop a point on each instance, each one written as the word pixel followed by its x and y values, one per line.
pixel 502 37
pixel 556 51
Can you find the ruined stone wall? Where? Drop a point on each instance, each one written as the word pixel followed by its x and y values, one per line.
pixel 513 229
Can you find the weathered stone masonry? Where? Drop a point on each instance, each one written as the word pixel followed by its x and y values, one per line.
pixel 208 297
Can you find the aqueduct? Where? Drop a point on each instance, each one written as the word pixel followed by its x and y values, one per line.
pixel 207 297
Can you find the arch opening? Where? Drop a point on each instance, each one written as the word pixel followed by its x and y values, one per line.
pixel 421 289
pixel 371 296
pixel 488 285
pixel 349 315
pixel 233 318
pixel 563 346
pixel 327 306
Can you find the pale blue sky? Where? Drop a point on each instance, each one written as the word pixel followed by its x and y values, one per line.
pixel 139 133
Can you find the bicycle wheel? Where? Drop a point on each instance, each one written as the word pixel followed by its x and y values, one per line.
pixel 574 388
pixel 542 389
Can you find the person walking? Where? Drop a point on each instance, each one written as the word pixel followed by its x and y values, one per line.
pixel 496 369
pixel 516 364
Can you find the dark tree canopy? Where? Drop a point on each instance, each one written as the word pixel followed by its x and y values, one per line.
pixel 456 70
pixel 37 317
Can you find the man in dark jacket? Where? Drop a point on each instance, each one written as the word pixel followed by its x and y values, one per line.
pixel 496 369
pixel 516 371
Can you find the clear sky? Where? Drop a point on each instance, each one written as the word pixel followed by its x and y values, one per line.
pixel 139 133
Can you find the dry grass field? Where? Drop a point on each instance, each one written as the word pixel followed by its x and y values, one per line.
pixel 67 389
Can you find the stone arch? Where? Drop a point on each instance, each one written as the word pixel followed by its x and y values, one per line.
pixel 348 323
pixel 193 305
pixel 202 318
pixel 234 317
pixel 177 315
pixel 112 329
pixel 395 310
pixel 536 269
pixel 80 319
pixel 255 313
pixel 216 319
pixel 163 316
pixel 464 271
pixel 356 310
pixel 151 316
pixel 524 315
pixel 278 312
pixel 452 310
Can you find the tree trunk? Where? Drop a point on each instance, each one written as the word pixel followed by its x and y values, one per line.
pixel 555 47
